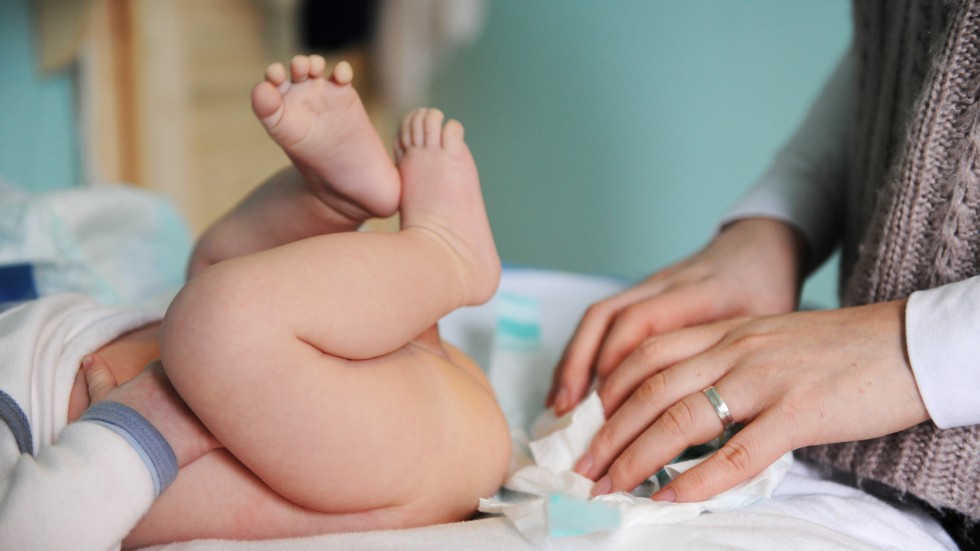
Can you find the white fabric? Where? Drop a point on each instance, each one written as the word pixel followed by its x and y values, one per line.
pixel 84 487
pixel 554 501
pixel 804 187
pixel 941 331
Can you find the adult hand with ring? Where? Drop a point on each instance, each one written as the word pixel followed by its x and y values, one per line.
pixel 721 408
pixel 752 267
pixel 790 380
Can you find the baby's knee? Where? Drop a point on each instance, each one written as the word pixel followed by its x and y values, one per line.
pixel 208 321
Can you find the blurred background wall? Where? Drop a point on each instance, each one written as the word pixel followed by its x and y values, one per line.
pixel 610 136
pixel 37 128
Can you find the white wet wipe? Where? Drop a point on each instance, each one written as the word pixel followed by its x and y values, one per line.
pixel 544 499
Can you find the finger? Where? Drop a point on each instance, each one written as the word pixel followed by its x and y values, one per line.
pixel 644 366
pixel 98 377
pixel 675 308
pixel 689 422
pixel 573 373
pixel 643 407
pixel 745 455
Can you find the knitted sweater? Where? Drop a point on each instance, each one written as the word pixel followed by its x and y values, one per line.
pixel 913 218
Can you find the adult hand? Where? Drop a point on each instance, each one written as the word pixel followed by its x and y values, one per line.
pixel 152 396
pixel 752 267
pixel 792 380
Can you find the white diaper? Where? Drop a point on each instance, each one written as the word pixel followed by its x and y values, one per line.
pixel 117 244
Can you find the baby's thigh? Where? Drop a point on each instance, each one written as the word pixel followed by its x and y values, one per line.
pixel 216 497
pixel 409 432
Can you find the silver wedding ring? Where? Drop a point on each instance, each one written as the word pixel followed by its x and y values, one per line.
pixel 721 408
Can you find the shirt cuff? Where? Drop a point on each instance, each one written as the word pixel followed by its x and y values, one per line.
pixel 941 328
pixel 151 446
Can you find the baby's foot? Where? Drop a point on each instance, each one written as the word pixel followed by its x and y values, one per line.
pixel 321 124
pixel 441 195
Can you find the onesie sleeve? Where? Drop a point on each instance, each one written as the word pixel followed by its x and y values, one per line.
pixel 804 185
pixel 941 328
pixel 86 491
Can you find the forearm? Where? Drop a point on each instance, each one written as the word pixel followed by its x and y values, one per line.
pixel 86 491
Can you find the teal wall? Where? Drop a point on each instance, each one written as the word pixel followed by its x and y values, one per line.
pixel 38 144
pixel 610 136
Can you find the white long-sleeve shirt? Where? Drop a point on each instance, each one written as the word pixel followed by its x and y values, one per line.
pixel 804 186
pixel 82 485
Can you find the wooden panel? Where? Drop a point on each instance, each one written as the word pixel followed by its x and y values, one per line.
pixel 165 89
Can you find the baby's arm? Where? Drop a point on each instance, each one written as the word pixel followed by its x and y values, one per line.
pixel 89 488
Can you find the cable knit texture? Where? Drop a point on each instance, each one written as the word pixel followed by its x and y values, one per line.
pixel 914 213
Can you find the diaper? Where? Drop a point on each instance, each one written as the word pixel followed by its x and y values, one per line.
pixel 117 244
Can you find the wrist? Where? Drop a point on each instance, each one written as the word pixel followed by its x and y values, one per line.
pixel 769 256
pixel 151 395
pixel 144 438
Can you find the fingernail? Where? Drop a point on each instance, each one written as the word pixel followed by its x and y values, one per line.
pixel 584 465
pixel 562 401
pixel 667 494
pixel 87 360
pixel 602 487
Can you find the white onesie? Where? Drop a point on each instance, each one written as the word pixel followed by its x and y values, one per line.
pixel 83 484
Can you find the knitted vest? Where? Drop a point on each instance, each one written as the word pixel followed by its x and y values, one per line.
pixel 913 219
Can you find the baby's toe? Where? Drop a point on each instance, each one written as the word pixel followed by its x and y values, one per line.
pixel 432 124
pixel 343 73
pixel 266 102
pixel 452 136
pixel 418 127
pixel 299 68
pixel 317 66
pixel 276 74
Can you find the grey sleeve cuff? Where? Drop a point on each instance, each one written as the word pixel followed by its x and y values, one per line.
pixel 151 446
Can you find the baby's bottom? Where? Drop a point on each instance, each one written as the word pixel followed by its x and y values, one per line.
pixel 408 439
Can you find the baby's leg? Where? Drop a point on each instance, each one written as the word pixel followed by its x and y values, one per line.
pixel 216 497
pixel 301 359
pixel 341 174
